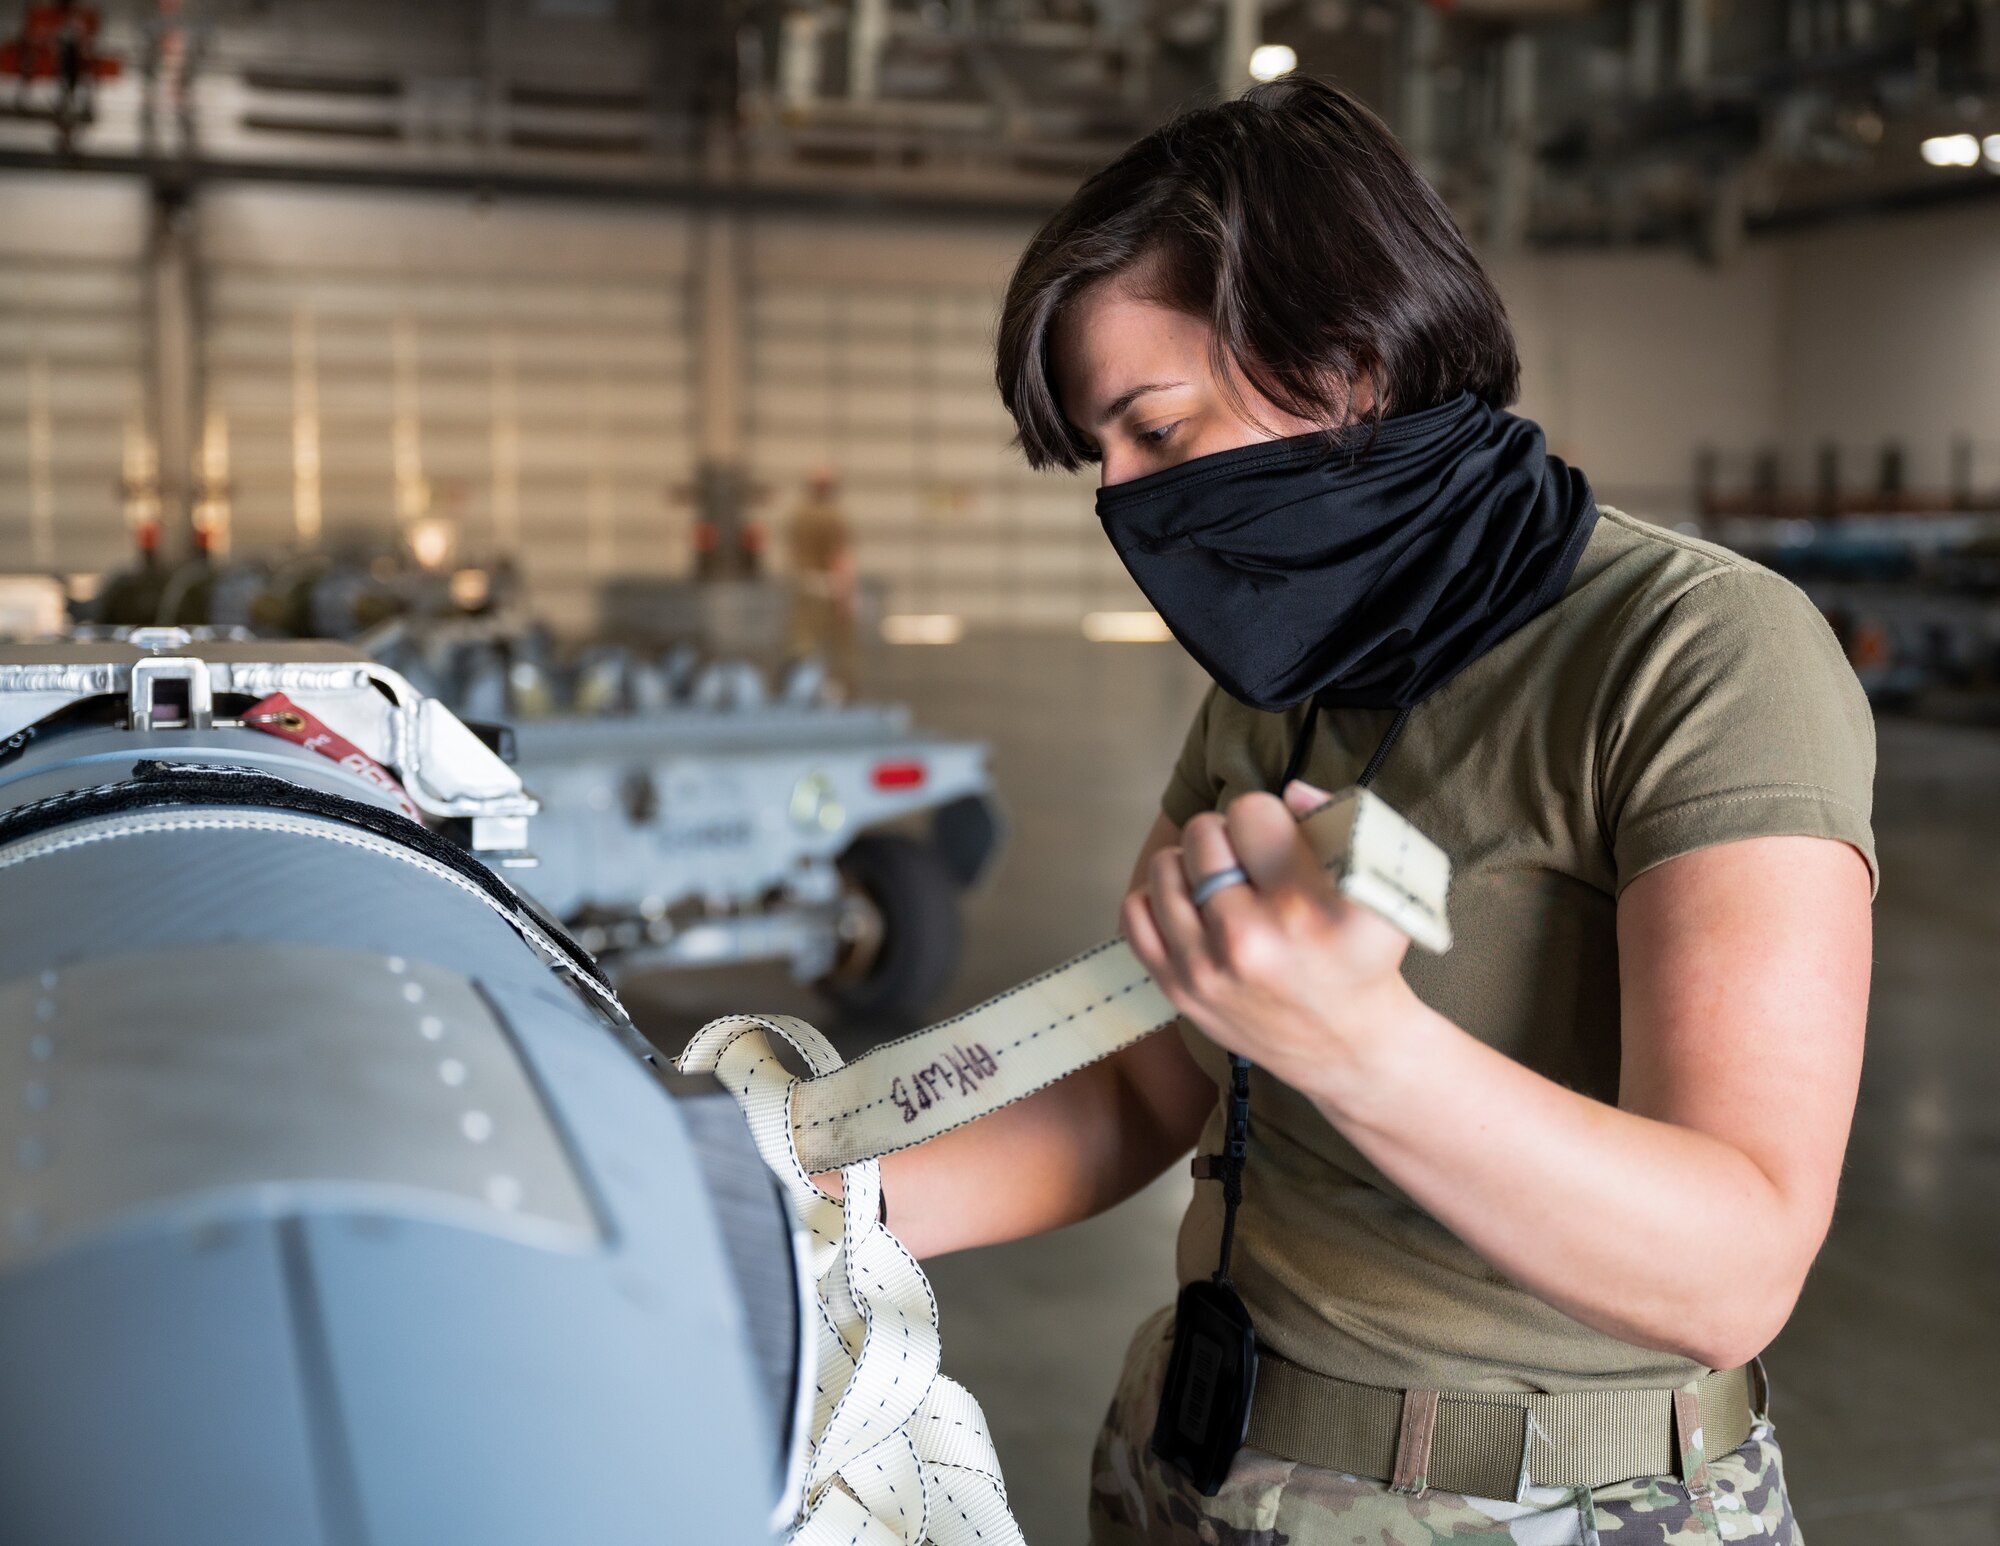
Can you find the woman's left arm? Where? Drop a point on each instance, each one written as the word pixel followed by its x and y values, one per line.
pixel 1683 1218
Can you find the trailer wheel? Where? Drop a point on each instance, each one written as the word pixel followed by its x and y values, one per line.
pixel 904 941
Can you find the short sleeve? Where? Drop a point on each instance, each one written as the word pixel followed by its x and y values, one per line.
pixel 1192 789
pixel 1741 718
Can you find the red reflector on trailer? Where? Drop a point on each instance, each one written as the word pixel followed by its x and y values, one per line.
pixel 899 775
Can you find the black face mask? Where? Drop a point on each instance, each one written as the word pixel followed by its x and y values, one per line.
pixel 1366 572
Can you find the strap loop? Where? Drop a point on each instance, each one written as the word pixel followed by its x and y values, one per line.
pixel 1413 1443
pixel 899 1455
pixel 1691 1459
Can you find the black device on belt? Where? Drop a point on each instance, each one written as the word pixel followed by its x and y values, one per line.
pixel 1212 1368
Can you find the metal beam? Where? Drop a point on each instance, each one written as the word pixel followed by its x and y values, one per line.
pixel 684 192
pixel 719 314
pixel 868 35
pixel 172 353
pixel 1696 42
pixel 1513 189
pixel 1242 22
pixel 1421 42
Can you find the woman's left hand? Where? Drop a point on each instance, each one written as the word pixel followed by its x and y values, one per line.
pixel 1284 971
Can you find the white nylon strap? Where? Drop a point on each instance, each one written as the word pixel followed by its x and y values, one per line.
pixel 927 1083
pixel 901 1455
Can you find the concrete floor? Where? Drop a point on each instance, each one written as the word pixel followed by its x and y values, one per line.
pixel 1888 1378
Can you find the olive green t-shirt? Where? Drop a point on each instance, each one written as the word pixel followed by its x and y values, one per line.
pixel 1676 696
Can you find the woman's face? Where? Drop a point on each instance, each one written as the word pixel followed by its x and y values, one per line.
pixel 1136 380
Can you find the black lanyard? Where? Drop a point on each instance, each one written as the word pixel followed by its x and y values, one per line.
pixel 1211 1373
pixel 1228 1166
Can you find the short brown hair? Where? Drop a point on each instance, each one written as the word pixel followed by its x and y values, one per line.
pixel 1292 222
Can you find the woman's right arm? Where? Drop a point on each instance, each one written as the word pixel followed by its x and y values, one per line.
pixel 1063 1154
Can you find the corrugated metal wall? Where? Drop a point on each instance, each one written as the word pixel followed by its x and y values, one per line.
pixel 891 385
pixel 538 417
pixel 525 378
pixel 378 363
pixel 529 372
pixel 71 403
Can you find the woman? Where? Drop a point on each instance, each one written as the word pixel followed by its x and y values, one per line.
pixel 1513 1219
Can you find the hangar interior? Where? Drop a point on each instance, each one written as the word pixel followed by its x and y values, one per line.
pixel 585 297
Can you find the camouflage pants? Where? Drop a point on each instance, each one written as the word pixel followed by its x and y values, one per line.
pixel 1135 1501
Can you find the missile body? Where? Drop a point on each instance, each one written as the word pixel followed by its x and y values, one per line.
pixel 337 1207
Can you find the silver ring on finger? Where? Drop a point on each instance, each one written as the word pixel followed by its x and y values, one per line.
pixel 1221 880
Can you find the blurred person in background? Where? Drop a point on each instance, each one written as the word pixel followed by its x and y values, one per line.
pixel 1511 1223
pixel 821 554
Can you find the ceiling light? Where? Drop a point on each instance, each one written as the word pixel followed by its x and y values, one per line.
pixel 1952 150
pixel 1993 150
pixel 1125 628
pixel 1270 60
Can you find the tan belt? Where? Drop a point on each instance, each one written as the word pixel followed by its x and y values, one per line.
pixel 1492 1445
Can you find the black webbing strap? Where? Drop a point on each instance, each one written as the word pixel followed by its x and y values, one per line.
pixel 156 785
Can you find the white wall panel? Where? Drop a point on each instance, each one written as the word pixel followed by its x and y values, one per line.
pixel 71 388
pixel 524 371
pixel 870 350
pixel 1892 332
pixel 71 394
pixel 1633 361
